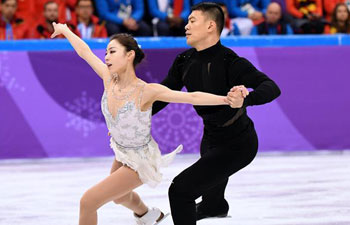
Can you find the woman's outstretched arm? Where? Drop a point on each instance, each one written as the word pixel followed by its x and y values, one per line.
pixel 82 49
pixel 162 93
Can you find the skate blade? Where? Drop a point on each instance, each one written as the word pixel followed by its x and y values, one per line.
pixel 218 217
pixel 165 216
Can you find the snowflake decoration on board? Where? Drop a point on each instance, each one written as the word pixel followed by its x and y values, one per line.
pixel 7 80
pixel 84 114
pixel 178 124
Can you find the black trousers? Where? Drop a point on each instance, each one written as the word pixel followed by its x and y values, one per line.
pixel 164 29
pixel 208 177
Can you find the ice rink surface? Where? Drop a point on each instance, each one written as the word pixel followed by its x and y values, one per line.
pixel 276 189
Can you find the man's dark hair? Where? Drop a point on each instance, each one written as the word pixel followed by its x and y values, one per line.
pixel 3 1
pixel 83 1
pixel 221 4
pixel 214 11
pixel 48 3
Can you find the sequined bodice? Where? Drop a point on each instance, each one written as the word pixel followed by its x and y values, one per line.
pixel 131 127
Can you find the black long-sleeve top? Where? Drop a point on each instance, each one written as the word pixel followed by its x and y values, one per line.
pixel 216 70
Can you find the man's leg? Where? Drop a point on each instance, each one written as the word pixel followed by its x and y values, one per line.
pixel 179 31
pixel 113 28
pixel 213 202
pixel 144 29
pixel 209 171
pixel 163 28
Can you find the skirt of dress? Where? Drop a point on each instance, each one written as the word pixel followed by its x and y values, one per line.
pixel 146 161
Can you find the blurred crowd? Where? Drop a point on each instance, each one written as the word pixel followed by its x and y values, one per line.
pixel 32 19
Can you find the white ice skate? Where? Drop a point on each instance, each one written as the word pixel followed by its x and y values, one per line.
pixel 153 217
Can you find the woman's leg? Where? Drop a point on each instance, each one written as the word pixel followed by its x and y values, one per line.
pixel 131 200
pixel 115 186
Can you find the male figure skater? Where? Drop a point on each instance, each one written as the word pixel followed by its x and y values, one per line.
pixel 229 142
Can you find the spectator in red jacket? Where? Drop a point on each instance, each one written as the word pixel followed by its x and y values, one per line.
pixel 26 10
pixel 329 6
pixel 340 22
pixel 65 9
pixel 307 16
pixel 11 27
pixel 45 28
pixel 85 24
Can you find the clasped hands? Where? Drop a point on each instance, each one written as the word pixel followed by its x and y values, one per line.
pixel 235 97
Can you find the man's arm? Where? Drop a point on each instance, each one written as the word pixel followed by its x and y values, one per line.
pixel 265 90
pixel 137 9
pixel 154 10
pixel 172 81
pixel 186 10
pixel 105 14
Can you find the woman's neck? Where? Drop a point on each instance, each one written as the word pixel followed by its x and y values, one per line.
pixel 126 78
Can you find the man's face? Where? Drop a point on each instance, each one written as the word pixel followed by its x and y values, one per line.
pixel 196 28
pixel 273 13
pixel 84 9
pixel 8 9
pixel 51 12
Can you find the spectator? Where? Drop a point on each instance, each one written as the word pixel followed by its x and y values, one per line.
pixel 11 27
pixel 26 9
pixel 274 22
pixel 340 20
pixel 306 16
pixel 230 28
pixel 225 2
pixel 85 24
pixel 45 28
pixel 248 13
pixel 329 6
pixel 65 9
pixel 123 16
pixel 169 16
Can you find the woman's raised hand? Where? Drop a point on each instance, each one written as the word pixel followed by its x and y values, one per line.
pixel 58 29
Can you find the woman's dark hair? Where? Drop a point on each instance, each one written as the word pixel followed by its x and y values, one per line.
pixel 214 12
pixel 129 42
pixel 334 22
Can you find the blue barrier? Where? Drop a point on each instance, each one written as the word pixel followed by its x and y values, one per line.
pixel 173 42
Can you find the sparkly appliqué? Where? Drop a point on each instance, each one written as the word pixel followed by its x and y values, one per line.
pixel 131 127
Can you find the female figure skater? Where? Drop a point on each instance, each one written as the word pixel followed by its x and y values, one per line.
pixel 127 105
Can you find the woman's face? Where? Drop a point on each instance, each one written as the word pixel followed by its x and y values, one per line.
pixel 116 57
pixel 342 13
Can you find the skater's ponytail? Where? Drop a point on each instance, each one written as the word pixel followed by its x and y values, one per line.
pixel 129 42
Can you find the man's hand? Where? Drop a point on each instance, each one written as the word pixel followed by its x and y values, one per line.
pixel 315 16
pixel 258 15
pixel 131 24
pixel 242 89
pixel 175 21
pixel 235 97
pixel 255 15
